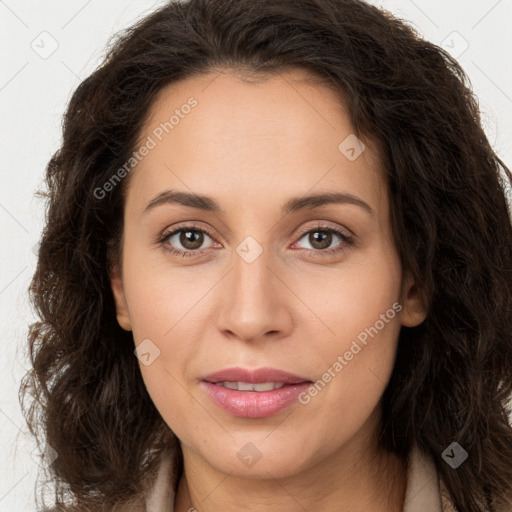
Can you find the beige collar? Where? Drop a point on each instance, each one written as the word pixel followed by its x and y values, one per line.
pixel 422 493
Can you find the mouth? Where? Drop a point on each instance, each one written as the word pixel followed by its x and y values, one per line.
pixel 256 393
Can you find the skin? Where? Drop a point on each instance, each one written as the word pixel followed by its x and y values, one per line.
pixel 295 307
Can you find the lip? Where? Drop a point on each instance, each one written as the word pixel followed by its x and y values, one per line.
pixel 254 404
pixel 254 376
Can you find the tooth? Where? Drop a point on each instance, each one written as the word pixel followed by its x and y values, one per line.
pixel 248 386
pixel 230 385
pixel 264 386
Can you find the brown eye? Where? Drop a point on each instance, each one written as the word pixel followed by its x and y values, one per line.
pixel 320 239
pixel 185 241
pixel 191 239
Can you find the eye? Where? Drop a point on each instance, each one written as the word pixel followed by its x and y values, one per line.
pixel 322 237
pixel 191 238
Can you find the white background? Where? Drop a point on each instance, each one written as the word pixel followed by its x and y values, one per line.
pixel 34 92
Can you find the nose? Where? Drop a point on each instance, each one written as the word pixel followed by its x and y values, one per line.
pixel 254 300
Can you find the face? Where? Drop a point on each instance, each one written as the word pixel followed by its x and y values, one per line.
pixel 258 276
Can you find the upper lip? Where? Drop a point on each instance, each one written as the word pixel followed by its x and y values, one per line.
pixel 254 376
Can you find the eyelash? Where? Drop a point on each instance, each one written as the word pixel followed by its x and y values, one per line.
pixel 347 241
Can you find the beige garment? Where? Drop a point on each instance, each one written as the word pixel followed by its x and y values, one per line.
pixel 423 492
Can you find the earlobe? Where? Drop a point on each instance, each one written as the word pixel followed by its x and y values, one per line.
pixel 414 311
pixel 116 284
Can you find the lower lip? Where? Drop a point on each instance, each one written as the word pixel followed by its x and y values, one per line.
pixel 255 404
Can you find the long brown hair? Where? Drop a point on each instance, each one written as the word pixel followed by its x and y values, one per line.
pixel 453 374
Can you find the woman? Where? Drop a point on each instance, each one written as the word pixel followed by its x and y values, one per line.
pixel 276 272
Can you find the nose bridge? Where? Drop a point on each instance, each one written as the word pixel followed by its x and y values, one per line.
pixel 252 271
pixel 251 300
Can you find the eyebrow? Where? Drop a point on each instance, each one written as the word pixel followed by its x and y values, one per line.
pixel 293 205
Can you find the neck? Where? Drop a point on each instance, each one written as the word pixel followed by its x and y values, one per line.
pixel 363 481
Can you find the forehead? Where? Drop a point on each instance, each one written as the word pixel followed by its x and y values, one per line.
pixel 230 106
pixel 282 131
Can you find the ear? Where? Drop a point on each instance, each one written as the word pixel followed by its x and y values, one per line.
pixel 413 312
pixel 116 283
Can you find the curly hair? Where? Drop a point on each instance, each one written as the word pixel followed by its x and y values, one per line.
pixel 452 377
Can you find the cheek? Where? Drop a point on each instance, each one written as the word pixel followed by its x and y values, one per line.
pixel 354 296
pixel 355 344
pixel 161 295
pixel 353 362
pixel 167 307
